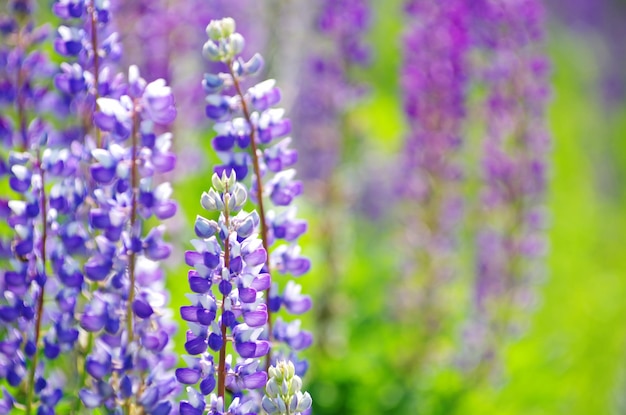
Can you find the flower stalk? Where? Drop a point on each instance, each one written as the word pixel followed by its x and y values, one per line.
pixel 40 299
pixel 222 370
pixel 251 136
pixel 254 154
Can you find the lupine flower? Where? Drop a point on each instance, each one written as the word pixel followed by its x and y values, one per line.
pixel 130 344
pixel 227 304
pixel 346 21
pixel 330 144
pixel 511 241
pixel 30 335
pixel 249 132
pixel 328 89
pixel 283 394
pixel 92 47
pixel 127 325
pixel 434 82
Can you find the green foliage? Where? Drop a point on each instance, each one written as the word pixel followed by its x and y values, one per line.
pixel 571 358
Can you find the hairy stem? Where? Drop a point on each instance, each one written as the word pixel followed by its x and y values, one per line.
pixel 259 186
pixel 134 180
pixel 221 374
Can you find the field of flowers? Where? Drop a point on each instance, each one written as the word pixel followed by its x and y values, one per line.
pixel 238 207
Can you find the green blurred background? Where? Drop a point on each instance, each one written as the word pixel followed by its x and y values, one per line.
pixel 571 360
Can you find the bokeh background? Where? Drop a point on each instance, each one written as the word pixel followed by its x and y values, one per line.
pixel 570 356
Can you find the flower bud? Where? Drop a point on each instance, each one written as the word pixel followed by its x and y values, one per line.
pixel 214 30
pixel 228 26
pixel 211 51
pixel 304 401
pixel 218 184
pixel 237 44
pixel 239 195
pixel 205 228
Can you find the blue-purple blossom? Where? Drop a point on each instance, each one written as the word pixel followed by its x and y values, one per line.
pixel 328 89
pixel 515 148
pixel 33 159
pixel 346 21
pixel 227 304
pixel 132 343
pixel 252 137
pixel 91 46
pixel 434 78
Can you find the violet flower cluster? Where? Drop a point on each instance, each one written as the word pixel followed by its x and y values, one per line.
pixel 251 139
pixel 127 324
pixel 85 278
pixel 511 241
pixel 31 157
pixel 328 89
pixel 434 82
pixel 330 142
pixel 168 50
pixel 91 47
pixel 228 305
pixel 130 361
pixel 347 21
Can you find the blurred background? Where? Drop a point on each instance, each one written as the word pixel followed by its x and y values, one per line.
pixel 383 346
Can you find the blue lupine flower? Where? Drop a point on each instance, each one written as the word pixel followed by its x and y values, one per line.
pixel 515 147
pixel 43 224
pixel 227 303
pixel 252 136
pixel 127 255
pixel 328 89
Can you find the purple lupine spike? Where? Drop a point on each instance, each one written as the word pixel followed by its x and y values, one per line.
pixel 88 41
pixel 248 129
pixel 36 161
pixel 227 304
pixel 124 141
pixel 126 261
pixel 328 90
pixel 167 50
pixel 346 21
pixel 434 83
pixel 85 41
pixel 515 147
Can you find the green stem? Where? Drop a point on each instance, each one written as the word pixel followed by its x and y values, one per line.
pixel 134 179
pixel 221 374
pixel 39 315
